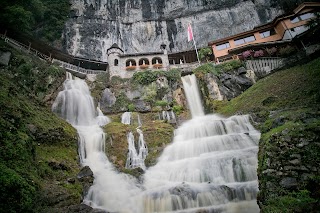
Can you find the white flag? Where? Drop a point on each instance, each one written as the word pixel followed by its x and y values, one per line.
pixel 190 34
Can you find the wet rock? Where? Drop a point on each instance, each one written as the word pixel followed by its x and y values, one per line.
pixel 5 57
pixel 85 176
pixel 289 182
pixel 82 208
pixel 141 106
pixel 295 162
pixel 108 99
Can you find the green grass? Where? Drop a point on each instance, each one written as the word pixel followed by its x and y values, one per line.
pixel 297 87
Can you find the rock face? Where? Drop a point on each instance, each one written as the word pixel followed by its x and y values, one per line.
pixel 143 25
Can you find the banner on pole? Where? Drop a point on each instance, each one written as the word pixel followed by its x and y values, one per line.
pixel 190 34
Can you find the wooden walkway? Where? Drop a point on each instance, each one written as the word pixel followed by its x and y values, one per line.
pixel 49 58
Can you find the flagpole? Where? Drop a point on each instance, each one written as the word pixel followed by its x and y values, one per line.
pixel 195 46
pixel 190 36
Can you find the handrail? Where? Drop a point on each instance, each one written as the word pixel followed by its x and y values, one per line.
pixel 41 55
pixel 76 68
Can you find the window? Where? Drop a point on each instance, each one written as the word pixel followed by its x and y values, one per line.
pixel 239 41
pixel 223 46
pixel 244 40
pixel 302 17
pixel 116 62
pixel 295 20
pixel 306 16
pixel 268 33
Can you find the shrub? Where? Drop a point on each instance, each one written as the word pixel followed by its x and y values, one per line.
pixel 247 54
pixel 287 50
pixel 272 50
pixel 258 53
pixel 149 76
pixel 217 69
pixel 162 103
pixel 177 109
pixel 131 107
pixel 205 53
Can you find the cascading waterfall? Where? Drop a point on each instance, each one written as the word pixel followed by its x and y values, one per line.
pixel 110 190
pixel 168 116
pixel 209 167
pixel 135 158
pixel 193 97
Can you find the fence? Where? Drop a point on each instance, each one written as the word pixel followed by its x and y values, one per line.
pixel 35 52
pixel 264 66
pixel 76 68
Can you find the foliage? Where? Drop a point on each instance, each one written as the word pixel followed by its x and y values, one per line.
pixel 150 93
pixel 131 107
pixel 271 51
pixel 42 18
pixel 258 53
pixel 161 103
pixel 247 54
pixel 146 77
pixel 177 109
pixel 314 22
pixel 149 76
pixel 292 202
pixel 287 50
pixel 205 53
pixel 16 194
pixel 216 69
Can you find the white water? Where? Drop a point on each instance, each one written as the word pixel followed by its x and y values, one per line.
pixel 136 158
pixel 168 116
pixel 110 190
pixel 126 118
pixel 191 91
pixel 209 167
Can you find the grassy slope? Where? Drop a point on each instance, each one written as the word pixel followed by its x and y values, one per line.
pixel 37 150
pixel 285 106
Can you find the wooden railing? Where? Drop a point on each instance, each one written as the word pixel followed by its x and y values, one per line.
pixel 263 66
pixel 48 58
pixel 76 68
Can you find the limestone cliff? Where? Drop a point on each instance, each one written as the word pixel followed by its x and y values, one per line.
pixel 142 25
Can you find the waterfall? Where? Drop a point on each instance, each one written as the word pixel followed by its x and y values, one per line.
pixel 110 190
pixel 126 118
pixel 136 158
pixel 168 116
pixel 210 166
pixel 192 93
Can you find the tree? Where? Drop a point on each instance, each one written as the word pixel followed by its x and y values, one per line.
pixel 205 53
